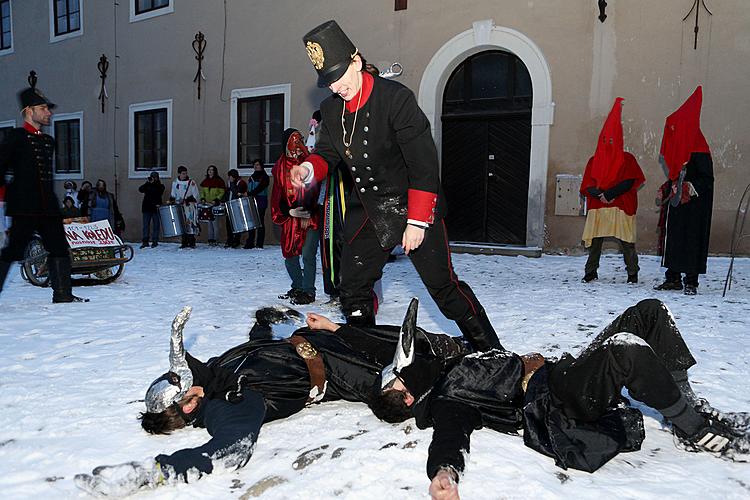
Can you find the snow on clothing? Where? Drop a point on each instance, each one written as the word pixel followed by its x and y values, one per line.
pixel 284 197
pixel 186 193
pixel 571 408
pixel 618 176
pixel 276 384
pixel 690 186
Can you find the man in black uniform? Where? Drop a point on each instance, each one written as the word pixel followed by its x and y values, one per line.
pixel 26 155
pixel 375 127
pixel 571 410
pixel 259 381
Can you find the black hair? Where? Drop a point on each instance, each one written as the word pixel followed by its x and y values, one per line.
pixel 390 406
pixel 163 422
pixel 233 173
pixel 316 115
pixel 181 168
pixel 258 160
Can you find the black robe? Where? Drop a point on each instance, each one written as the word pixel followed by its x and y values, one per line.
pixel 688 226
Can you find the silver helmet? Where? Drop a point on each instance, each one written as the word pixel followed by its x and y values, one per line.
pixel 173 385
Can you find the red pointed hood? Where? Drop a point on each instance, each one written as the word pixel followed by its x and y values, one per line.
pixel 609 156
pixel 682 135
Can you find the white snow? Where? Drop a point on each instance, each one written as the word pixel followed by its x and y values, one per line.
pixel 73 377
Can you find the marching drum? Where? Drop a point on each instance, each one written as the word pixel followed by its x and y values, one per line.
pixel 243 214
pixel 172 220
pixel 205 213
pixel 219 210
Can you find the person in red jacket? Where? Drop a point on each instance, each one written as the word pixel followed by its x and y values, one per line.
pixel 610 185
pixel 296 211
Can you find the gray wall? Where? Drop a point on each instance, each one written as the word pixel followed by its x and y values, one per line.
pixel 643 52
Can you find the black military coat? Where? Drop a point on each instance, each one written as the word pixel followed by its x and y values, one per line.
pixel 27 158
pixel 392 151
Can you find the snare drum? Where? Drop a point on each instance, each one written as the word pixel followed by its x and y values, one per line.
pixel 205 213
pixel 219 210
pixel 243 214
pixel 172 220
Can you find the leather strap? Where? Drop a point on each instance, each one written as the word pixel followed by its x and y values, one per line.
pixel 315 366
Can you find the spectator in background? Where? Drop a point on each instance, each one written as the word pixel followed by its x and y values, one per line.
pixel 185 192
pixel 103 206
pixel 152 190
pixel 69 209
pixel 83 198
pixel 236 188
pixel 257 185
pixel 71 189
pixel 212 192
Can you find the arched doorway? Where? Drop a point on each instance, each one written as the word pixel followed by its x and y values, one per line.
pixel 486 124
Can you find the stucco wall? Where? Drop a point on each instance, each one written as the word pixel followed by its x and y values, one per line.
pixel 643 52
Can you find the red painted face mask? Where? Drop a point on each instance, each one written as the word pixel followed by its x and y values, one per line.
pixel 295 146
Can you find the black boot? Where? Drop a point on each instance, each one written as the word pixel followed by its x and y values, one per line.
pixel 59 278
pixel 144 244
pixel 478 330
pixel 360 314
pixel 4 268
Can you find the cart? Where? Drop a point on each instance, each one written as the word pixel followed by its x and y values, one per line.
pixel 96 252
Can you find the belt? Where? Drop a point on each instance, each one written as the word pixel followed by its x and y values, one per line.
pixel 315 367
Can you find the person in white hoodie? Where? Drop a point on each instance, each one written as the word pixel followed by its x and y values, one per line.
pixel 185 192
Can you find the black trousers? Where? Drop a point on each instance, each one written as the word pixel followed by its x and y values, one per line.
pixel 638 350
pixel 674 276
pixel 629 254
pixel 256 237
pixel 50 228
pixel 362 262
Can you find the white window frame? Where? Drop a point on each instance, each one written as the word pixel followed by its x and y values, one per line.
pixel 148 15
pixel 10 50
pixel 147 106
pixel 237 94
pixel 8 123
pixel 73 34
pixel 78 115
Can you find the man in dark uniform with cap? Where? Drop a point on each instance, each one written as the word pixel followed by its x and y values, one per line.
pixel 26 155
pixel 375 127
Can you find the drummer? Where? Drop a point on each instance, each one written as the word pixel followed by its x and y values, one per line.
pixel 236 188
pixel 212 191
pixel 185 192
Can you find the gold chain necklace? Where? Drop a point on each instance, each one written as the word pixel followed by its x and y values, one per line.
pixel 347 145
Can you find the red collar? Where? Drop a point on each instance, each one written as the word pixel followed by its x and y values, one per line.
pixel 31 128
pixel 366 90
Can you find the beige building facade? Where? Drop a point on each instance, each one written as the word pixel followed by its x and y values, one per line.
pixel 563 68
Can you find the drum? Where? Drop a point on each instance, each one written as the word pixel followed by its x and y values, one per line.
pixel 243 214
pixel 172 220
pixel 219 210
pixel 205 213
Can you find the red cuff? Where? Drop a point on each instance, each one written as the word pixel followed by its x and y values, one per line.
pixel 320 166
pixel 422 205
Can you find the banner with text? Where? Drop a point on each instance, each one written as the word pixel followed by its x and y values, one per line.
pixel 93 234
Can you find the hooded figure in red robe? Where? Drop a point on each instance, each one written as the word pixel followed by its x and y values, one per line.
pixel 296 211
pixel 686 198
pixel 610 185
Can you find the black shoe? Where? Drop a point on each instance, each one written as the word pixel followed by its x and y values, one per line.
pixel 669 285
pixel 227 244
pixel 59 278
pixel 144 244
pixel 293 292
pixel 4 268
pixel 154 244
pixel 632 278
pixel 715 436
pixel 248 245
pixel 589 277
pixel 303 298
pixel 690 290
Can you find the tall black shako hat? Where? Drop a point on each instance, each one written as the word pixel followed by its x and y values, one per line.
pixel 330 51
pixel 32 96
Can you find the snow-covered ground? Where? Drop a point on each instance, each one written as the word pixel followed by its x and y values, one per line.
pixel 72 379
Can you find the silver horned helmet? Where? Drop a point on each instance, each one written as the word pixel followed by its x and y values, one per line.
pixel 173 385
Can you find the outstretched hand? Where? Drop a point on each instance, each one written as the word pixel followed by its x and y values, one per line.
pixel 319 322
pixel 444 486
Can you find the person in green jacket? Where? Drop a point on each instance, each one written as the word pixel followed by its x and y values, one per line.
pixel 212 192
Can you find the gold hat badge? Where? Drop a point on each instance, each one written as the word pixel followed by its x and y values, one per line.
pixel 315 53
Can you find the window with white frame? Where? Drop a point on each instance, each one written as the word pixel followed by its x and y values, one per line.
pixel 66 19
pixel 146 9
pixel 5 128
pixel 258 119
pixel 67 129
pixel 6 27
pixel 150 138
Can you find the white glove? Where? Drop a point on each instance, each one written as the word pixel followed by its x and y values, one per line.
pixel 300 213
pixel 122 479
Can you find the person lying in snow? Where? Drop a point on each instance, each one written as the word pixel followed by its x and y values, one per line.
pixel 261 380
pixel 571 410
